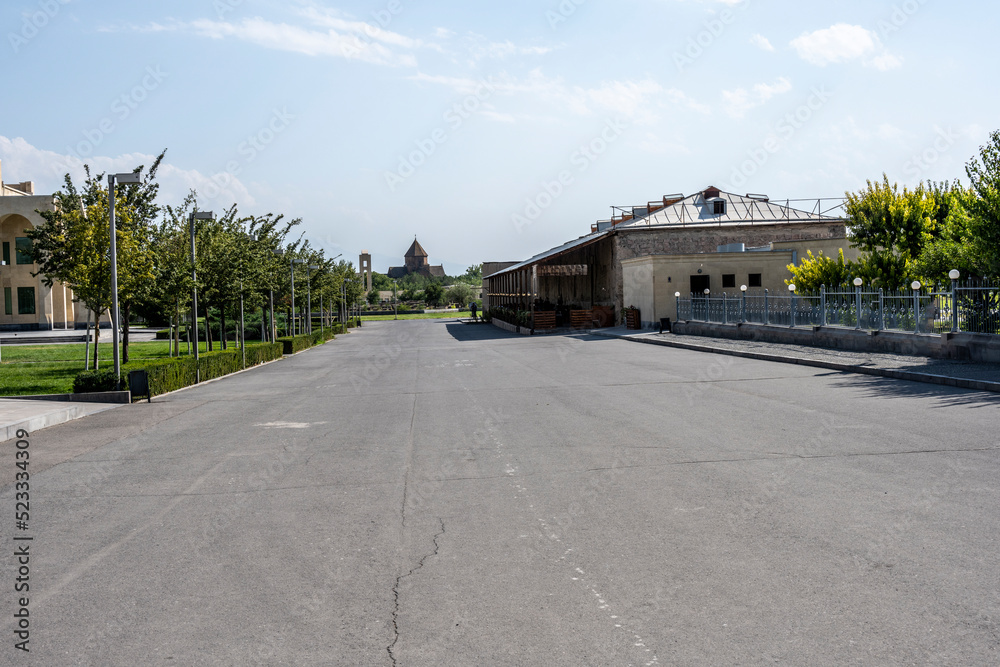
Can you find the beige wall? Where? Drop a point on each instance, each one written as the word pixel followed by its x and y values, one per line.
pixel 650 283
pixel 54 307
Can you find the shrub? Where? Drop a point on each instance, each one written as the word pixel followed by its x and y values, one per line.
pixel 163 334
pixel 97 381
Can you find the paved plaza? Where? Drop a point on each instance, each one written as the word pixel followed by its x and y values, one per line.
pixel 437 493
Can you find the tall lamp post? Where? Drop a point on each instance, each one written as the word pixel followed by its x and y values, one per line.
pixel 291 266
pixel 196 215
pixel 3 263
pixel 127 178
pixel 311 267
pixel 395 315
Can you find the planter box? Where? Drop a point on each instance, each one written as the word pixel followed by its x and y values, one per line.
pixel 633 319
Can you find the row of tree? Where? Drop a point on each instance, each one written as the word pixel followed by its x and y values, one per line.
pixel 920 234
pixel 239 260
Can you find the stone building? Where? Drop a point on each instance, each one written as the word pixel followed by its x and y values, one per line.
pixel 670 245
pixel 415 261
pixel 28 304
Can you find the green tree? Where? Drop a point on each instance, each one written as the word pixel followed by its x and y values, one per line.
pixel 460 294
pixel 816 271
pixel 374 298
pixel 433 294
pixel 890 227
pixel 381 282
pixel 984 176
pixel 73 244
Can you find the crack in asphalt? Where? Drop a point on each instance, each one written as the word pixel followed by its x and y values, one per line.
pixel 395 592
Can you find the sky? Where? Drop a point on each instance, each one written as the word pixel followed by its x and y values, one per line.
pixel 492 131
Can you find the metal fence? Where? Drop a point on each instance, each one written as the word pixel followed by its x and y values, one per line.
pixel 971 307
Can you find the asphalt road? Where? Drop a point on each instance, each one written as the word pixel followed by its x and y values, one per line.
pixel 433 493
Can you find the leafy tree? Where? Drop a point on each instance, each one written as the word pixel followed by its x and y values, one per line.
pixel 460 294
pixel 381 282
pixel 433 294
pixel 73 244
pixel 890 227
pixel 374 298
pixel 816 271
pixel 984 177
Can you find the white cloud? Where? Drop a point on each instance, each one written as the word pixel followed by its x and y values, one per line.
pixel 738 102
pixel 762 42
pixel 844 43
pixel 25 162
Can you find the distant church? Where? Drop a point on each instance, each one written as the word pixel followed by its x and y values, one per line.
pixel 416 262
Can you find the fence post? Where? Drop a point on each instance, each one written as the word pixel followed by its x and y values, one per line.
pixel 725 309
pixel 916 311
pixel 792 308
pixel 767 309
pixel 822 305
pixel 743 307
pixel 954 306
pixel 881 309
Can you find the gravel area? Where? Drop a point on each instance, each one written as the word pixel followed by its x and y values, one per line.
pixel 960 369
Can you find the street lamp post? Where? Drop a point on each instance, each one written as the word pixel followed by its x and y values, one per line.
pixel 291 267
pixel 127 178
pixel 196 215
pixel 743 304
pixel 858 282
pixel 791 290
pixel 3 263
pixel 311 268
pixel 395 315
pixel 915 286
pixel 954 275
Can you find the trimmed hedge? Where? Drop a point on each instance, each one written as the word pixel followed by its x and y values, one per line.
pixel 96 381
pixel 171 374
pixel 293 345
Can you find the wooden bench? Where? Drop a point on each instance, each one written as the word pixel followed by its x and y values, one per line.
pixel 581 319
pixel 545 319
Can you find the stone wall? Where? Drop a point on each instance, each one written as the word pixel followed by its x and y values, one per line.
pixel 630 243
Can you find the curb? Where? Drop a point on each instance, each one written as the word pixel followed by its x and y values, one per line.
pixel 927 378
pixel 47 419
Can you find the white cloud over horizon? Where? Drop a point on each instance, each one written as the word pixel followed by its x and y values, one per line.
pixel 842 43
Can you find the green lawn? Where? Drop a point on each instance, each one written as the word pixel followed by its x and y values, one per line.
pixel 50 369
pixel 421 316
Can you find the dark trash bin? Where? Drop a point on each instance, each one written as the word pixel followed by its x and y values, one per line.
pixel 665 325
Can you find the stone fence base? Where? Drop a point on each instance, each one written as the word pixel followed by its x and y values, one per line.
pixel 958 346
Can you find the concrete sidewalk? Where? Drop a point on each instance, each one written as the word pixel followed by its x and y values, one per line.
pixel 963 374
pixel 31 415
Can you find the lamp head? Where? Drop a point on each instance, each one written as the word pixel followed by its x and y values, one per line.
pixel 677 294
pixel 127 178
pixel 791 288
pixel 743 288
pixel 915 285
pixel 203 215
pixel 707 291
pixel 314 267
pixel 954 274
pixel 858 282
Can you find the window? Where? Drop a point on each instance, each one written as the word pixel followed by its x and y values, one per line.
pixel 729 280
pixel 8 305
pixel 25 300
pixel 23 251
pixel 754 280
pixel 6 252
pixel 719 207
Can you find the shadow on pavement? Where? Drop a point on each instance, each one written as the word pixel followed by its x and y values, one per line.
pixel 946 396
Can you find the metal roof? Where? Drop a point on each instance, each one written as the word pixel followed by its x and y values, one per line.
pixel 555 252
pixel 740 210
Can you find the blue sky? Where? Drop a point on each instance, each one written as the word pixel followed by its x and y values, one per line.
pixel 492 131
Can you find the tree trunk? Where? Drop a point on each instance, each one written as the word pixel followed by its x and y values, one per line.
pixel 177 330
pixel 97 338
pixel 222 327
pixel 127 311
pixel 208 330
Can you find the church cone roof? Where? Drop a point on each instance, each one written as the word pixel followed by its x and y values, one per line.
pixel 416 250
